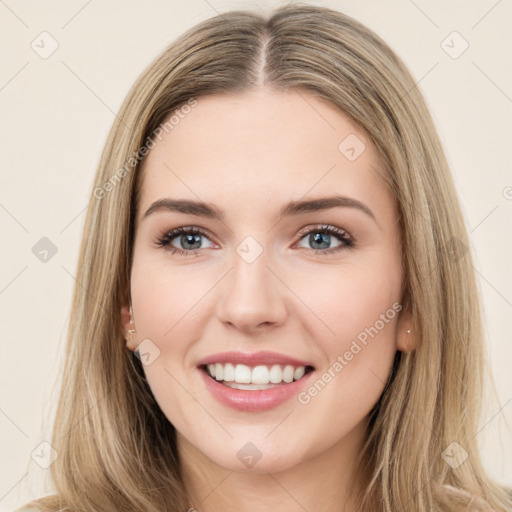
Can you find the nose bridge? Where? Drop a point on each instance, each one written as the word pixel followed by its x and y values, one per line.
pixel 252 294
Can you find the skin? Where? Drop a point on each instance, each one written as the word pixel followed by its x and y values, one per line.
pixel 249 155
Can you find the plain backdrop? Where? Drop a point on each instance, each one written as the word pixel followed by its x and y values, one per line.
pixel 56 111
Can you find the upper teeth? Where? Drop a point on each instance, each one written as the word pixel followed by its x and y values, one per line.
pixel 257 374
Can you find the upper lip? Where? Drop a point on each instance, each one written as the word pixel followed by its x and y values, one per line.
pixel 252 359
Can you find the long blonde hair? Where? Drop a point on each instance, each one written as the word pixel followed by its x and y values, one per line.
pixel 117 450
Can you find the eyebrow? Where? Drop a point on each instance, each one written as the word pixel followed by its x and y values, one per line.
pixel 202 209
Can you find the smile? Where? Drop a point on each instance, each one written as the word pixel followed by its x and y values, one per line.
pixel 254 382
pixel 241 376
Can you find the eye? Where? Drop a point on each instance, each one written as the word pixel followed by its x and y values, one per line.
pixel 190 236
pixel 321 235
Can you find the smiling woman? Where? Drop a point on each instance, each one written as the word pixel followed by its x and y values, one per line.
pixel 302 327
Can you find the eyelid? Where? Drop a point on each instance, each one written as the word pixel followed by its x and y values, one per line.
pixel 348 241
pixel 324 227
pixel 174 232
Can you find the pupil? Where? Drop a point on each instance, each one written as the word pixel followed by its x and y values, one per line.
pixel 319 237
pixel 191 239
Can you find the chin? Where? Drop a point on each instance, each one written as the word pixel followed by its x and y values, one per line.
pixel 254 457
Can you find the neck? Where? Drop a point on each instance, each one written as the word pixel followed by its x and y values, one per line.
pixel 324 482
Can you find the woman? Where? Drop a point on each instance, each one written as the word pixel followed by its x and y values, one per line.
pixel 260 369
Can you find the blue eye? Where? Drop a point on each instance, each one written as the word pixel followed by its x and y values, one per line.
pixel 188 235
pixel 322 234
pixel 318 235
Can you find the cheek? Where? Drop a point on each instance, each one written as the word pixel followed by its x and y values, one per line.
pixel 166 300
pixel 361 307
pixel 171 308
pixel 166 305
pixel 348 301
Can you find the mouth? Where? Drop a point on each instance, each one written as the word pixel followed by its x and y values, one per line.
pixel 254 382
pixel 255 378
pixel 254 388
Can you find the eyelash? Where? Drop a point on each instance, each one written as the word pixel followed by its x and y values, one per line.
pixel 348 241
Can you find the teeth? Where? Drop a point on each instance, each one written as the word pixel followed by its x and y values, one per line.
pixel 276 374
pixel 229 372
pixel 288 373
pixel 242 374
pixel 259 375
pixel 256 377
pixel 299 372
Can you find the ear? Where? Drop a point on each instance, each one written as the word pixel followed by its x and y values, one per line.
pixel 126 322
pixel 406 341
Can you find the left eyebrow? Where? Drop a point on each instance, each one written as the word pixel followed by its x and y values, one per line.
pixel 202 209
pixel 323 203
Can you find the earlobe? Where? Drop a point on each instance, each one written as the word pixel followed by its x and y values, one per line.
pixel 406 339
pixel 128 327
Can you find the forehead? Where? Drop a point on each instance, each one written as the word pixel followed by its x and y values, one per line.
pixel 265 144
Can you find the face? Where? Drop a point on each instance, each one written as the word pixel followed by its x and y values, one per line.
pixel 312 296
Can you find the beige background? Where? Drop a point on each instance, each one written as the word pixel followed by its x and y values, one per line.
pixel 55 115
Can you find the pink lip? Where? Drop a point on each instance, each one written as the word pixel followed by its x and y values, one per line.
pixel 253 401
pixel 253 359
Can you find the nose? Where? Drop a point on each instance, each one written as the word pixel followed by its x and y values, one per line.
pixel 252 297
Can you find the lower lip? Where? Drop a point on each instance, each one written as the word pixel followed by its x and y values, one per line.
pixel 253 401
